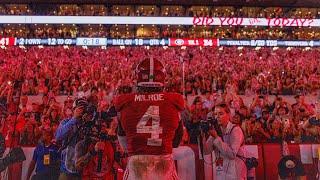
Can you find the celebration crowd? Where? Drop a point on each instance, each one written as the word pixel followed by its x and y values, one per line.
pixel 54 72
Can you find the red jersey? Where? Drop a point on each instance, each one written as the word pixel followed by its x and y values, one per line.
pixel 149 121
pixel 90 171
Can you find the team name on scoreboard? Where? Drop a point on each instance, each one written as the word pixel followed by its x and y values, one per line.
pixel 149 97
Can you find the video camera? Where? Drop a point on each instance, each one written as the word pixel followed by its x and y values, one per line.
pixel 210 123
pixel 93 120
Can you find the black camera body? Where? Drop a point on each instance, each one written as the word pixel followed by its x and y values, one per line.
pixel 210 123
pixel 90 109
pixel 205 126
pixel 314 121
pixel 95 122
pixel 251 162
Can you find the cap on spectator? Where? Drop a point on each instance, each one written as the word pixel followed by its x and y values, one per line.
pixel 81 102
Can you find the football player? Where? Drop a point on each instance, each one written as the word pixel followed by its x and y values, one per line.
pixel 150 124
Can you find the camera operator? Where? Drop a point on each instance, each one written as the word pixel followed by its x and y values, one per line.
pixel 228 148
pixel 67 134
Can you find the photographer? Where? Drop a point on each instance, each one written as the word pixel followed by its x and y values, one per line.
pixel 228 148
pixel 67 134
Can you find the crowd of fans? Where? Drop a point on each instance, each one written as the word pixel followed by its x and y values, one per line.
pixel 263 70
pixel 52 72
pixel 130 31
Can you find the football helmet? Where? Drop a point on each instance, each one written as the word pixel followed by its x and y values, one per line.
pixel 150 73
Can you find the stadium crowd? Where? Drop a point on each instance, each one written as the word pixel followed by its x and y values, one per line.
pixel 69 72
pixel 50 79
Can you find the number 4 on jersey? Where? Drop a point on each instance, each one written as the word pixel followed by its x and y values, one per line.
pixel 155 129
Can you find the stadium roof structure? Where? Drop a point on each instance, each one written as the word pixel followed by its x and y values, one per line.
pixel 264 3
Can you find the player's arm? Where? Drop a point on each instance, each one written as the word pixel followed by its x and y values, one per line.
pixel 179 103
pixel 178 135
pixel 122 137
pixel 120 102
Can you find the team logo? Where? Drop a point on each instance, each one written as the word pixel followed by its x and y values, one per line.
pixel 179 42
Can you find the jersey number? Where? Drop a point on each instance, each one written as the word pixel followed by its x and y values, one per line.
pixel 155 129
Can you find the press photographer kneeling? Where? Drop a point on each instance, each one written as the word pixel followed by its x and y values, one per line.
pixel 228 147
